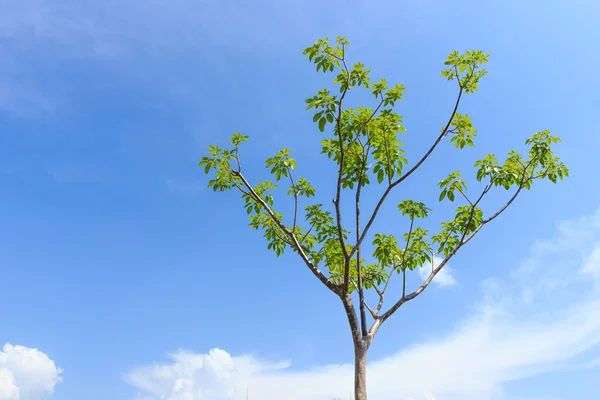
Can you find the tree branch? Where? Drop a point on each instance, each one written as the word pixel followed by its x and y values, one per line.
pixel 336 201
pixel 373 313
pixel 464 240
pixel 351 314
pixel 387 155
pixel 237 158
pixel 377 290
pixel 295 199
pixel 286 241
pixel 330 285
pixel 464 195
pixel 338 192
pixel 413 169
pixel 381 294
pixel 363 319
pixel 403 282
pixel 312 226
pixel 412 222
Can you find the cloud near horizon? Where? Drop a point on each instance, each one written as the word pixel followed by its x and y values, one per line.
pixel 537 320
pixel 26 374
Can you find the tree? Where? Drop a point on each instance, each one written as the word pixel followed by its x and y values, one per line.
pixel 364 145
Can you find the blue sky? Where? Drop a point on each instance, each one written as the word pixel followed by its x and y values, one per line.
pixel 122 277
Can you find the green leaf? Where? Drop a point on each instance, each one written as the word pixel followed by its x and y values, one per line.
pixel 237 139
pixel 322 123
pixel 414 209
pixel 443 195
pixel 380 176
pixel 368 141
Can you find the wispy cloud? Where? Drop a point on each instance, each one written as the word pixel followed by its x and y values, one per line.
pixel 26 374
pixel 592 364
pixel 519 329
pixel 443 278
pixel 160 43
pixel 20 98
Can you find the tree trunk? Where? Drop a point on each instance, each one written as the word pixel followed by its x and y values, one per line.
pixel 361 345
pixel 360 369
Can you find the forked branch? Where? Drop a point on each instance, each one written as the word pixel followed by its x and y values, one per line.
pixel 464 240
pixel 408 173
pixel 299 248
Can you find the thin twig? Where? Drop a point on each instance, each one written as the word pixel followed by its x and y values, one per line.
pixel 330 285
pixel 295 198
pixel 403 177
pixel 465 239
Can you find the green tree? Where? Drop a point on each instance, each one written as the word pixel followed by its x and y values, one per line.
pixel 363 143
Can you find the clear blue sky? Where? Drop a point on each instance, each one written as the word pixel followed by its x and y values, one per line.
pixel 113 255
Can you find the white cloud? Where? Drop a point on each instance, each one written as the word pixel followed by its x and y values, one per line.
pixel 8 387
pixel 593 364
pixel 537 320
pixel 443 278
pixel 592 265
pixel 191 376
pixel 26 374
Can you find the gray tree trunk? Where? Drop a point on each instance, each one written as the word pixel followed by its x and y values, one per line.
pixel 361 345
pixel 360 370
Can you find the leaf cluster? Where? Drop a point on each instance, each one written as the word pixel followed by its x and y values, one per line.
pixel 364 142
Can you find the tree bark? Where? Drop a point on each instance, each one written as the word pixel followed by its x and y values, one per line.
pixel 360 369
pixel 361 345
